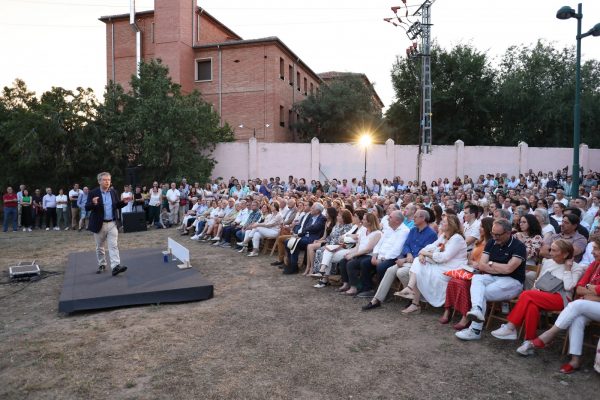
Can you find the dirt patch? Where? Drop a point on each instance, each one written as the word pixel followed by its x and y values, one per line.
pixel 263 335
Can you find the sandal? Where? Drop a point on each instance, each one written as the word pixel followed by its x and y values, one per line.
pixel 568 369
pixel 406 293
pixel 342 289
pixel 412 309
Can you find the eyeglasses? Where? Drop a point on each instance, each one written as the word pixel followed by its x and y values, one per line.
pixel 497 234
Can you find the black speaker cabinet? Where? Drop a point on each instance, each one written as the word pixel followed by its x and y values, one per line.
pixel 134 222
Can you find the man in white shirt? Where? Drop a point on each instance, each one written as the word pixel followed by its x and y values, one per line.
pixel 173 196
pixel 471 226
pixel 385 253
pixel 73 196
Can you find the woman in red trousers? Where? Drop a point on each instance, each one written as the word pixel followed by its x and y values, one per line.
pixel 531 302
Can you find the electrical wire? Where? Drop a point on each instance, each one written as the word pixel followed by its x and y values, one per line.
pixel 43 275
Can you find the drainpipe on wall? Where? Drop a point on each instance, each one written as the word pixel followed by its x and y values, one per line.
pixel 112 48
pixel 220 86
pixel 138 37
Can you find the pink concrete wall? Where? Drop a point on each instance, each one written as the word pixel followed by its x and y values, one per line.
pixel 346 160
pixel 489 159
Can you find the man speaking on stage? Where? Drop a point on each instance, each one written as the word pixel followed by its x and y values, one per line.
pixel 103 203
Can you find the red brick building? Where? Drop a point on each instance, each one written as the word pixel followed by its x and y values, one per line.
pixel 253 83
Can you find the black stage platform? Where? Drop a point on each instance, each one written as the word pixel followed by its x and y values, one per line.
pixel 148 280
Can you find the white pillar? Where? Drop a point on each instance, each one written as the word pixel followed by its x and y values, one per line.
pixel 523 157
pixel 252 158
pixel 584 157
pixel 390 159
pixel 315 160
pixel 459 147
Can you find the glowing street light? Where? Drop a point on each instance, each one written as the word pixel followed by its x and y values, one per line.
pixel 365 141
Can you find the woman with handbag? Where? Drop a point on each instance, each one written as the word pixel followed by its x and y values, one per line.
pixel 335 253
pixel 575 316
pixel 343 225
pixel 551 292
pixel 448 252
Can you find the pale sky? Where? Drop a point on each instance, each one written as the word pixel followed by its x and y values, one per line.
pixel 61 42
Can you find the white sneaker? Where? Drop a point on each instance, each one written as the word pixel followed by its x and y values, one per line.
pixel 28 229
pixel 468 334
pixel 252 254
pixel 505 333
pixel 217 244
pixel 67 228
pixel 47 229
pixel 476 315
pixel 243 250
pixel 24 229
pixel 526 349
pixel 195 237
pixel 216 239
pixel 56 228
pixel 241 244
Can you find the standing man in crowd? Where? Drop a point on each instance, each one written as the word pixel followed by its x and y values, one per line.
pixel 81 202
pixel 173 196
pixel 103 203
pixel 10 209
pixel 73 196
pixel 19 202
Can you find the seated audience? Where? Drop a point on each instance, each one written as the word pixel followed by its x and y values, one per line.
pixel 575 316
pixel 350 264
pixel 458 295
pixel 544 298
pixel 502 268
pixel 448 252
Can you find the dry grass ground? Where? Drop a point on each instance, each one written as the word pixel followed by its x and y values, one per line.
pixel 263 336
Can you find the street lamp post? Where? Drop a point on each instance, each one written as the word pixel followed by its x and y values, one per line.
pixel 365 141
pixel 567 12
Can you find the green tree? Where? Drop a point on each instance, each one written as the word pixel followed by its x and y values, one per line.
pixel 462 91
pixel 340 111
pixel 155 126
pixel 45 140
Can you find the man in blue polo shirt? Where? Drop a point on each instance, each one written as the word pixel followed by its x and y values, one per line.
pixel 502 267
pixel 418 237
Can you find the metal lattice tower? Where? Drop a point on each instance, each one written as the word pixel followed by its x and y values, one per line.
pixel 426 129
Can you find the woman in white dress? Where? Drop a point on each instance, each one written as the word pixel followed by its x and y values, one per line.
pixel 269 227
pixel 448 252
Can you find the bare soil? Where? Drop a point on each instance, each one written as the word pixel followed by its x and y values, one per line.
pixel 263 336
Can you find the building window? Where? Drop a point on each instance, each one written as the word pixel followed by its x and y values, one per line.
pixel 281 116
pixel 291 75
pixel 305 86
pixel 312 89
pixel 281 69
pixel 204 69
pixel 290 119
pixel 298 81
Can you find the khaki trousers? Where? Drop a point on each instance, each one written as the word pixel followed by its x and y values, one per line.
pixel 109 234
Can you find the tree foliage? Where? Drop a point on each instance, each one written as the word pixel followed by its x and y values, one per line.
pixel 528 97
pixel 338 112
pixel 66 136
